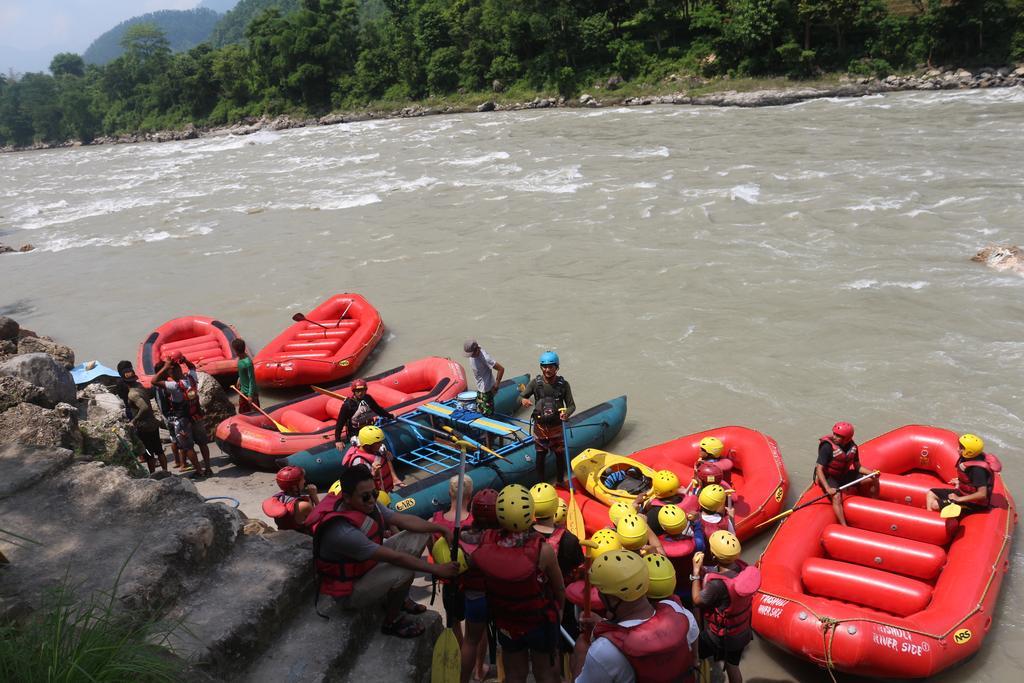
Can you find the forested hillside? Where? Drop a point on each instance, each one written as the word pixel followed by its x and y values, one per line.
pixel 184 29
pixel 231 27
pixel 333 54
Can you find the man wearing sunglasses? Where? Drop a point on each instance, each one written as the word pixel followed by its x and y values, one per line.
pixel 356 412
pixel 358 567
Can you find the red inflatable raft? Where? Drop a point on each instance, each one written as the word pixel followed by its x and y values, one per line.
pixel 252 440
pixel 204 341
pixel 330 344
pixel 900 592
pixel 758 475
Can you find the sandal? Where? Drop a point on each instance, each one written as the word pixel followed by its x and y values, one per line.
pixel 403 628
pixel 411 607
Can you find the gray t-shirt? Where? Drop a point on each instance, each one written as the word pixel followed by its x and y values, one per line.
pixel 483 365
pixel 343 542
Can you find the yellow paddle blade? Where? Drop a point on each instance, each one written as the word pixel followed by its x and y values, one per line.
pixel 705 671
pixel 574 519
pixel 277 425
pixel 781 515
pixel 950 511
pixel 446 665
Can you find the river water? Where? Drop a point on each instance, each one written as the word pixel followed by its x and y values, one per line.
pixel 777 268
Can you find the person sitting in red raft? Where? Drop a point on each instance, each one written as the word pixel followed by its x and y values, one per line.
pixel 290 507
pixel 975 471
pixel 373 452
pixel 711 450
pixel 839 464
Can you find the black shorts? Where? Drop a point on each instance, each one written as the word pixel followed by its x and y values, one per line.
pixel 729 649
pixel 455 608
pixel 151 440
pixel 841 480
pixel 965 508
pixel 544 638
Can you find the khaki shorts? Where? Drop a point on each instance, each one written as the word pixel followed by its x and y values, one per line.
pixel 386 578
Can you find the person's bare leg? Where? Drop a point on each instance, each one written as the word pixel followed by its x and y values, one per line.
pixel 469 651
pixel 481 654
pixel 517 665
pixel 205 450
pixel 733 672
pixel 837 505
pixel 545 666
pixel 931 501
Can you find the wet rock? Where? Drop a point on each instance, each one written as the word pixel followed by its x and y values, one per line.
pixel 61 353
pixel 15 390
pixel 8 328
pixel 7 349
pixel 585 99
pixel 28 423
pixel 43 371
pixel 485 106
pixel 1003 257
pixel 214 402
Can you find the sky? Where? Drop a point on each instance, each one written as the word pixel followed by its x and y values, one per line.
pixel 33 31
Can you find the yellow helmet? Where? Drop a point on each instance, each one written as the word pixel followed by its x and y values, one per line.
pixel 383 498
pixel 370 434
pixel 515 508
pixel 335 489
pixel 621 574
pixel 712 446
pixel 662 576
pixel 632 531
pixel 725 545
pixel 545 500
pixel 605 540
pixel 561 512
pixel 442 554
pixel 666 483
pixel 672 519
pixel 618 510
pixel 972 445
pixel 712 497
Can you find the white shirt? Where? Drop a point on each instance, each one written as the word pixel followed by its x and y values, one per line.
pixel 482 365
pixel 606 664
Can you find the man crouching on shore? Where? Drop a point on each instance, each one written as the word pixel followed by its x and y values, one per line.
pixel 358 567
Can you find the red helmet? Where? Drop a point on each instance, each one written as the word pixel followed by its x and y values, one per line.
pixel 709 473
pixel 358 384
pixel 485 508
pixel 289 477
pixel 843 430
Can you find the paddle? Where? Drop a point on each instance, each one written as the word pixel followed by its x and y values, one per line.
pixel 280 427
pixel 950 510
pixel 446 666
pixel 573 516
pixel 474 442
pixel 787 513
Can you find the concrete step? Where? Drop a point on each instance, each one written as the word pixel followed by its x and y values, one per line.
pixel 408 659
pixel 229 615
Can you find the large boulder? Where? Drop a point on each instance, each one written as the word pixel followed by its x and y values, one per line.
pixel 8 328
pixel 97 402
pixel 27 423
pixel 214 402
pixel 15 390
pixel 61 353
pixel 43 371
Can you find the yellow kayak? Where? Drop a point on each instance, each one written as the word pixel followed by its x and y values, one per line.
pixel 611 478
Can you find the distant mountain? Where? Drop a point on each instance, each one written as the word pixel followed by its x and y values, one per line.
pixel 231 27
pixel 184 30
pixel 221 6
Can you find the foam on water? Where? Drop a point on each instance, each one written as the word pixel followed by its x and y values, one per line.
pixel 747 193
pixel 876 284
pixel 477 161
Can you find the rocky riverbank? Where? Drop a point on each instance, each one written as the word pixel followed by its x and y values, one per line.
pixel 238 593
pixel 605 95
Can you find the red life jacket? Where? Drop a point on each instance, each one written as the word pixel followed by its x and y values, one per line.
pixel 842 461
pixel 517 590
pixel 338 578
pixel 985 461
pixel 734 619
pixel 677 546
pixel 383 479
pixel 711 527
pixel 656 649
pixel 281 508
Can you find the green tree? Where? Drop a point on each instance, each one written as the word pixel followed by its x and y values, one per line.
pixel 67 64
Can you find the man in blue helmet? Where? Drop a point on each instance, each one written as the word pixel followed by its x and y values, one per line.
pixel 552 405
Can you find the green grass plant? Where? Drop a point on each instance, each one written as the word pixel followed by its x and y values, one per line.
pixel 72 639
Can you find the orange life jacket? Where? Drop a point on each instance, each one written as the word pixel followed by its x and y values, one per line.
pixel 338 578
pixel 657 649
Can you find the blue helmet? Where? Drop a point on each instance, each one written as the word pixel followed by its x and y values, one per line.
pixel 549 358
